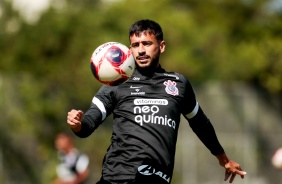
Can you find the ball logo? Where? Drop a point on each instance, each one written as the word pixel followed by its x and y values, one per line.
pixel 146 170
pixel 115 55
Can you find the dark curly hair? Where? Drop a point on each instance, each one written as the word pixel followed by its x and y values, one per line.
pixel 147 26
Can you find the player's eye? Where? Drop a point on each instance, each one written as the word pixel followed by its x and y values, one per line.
pixel 134 45
pixel 147 43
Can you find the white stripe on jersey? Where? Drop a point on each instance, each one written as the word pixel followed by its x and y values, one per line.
pixel 194 112
pixel 101 107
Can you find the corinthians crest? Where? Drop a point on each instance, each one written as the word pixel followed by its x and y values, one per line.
pixel 171 87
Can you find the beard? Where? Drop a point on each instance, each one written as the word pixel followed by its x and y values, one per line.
pixel 151 65
pixel 150 68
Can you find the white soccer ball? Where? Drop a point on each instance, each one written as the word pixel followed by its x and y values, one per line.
pixel 112 63
pixel 277 159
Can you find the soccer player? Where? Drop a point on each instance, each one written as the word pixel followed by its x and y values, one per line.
pixel 146 111
pixel 73 167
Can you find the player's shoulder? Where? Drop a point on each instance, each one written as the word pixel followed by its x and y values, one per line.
pixel 106 88
pixel 106 92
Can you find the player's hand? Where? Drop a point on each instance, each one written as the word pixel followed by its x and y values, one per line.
pixel 74 119
pixel 231 170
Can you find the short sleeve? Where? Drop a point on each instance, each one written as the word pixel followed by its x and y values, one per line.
pixel 82 163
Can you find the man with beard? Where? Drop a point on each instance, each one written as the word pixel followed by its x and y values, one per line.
pixel 146 111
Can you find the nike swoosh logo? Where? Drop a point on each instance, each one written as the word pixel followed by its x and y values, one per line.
pixel 135 87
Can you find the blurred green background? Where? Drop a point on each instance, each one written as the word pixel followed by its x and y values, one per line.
pixel 231 50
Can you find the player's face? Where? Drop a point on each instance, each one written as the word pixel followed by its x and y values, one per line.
pixel 146 50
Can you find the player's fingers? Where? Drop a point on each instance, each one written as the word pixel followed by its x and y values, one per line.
pixel 76 114
pixel 80 114
pixel 73 124
pixel 232 177
pixel 227 174
pixel 72 119
pixel 241 173
pixel 73 114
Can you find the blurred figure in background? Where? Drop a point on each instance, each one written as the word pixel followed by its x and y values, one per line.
pixel 277 159
pixel 73 167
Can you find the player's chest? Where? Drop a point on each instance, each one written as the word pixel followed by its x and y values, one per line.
pixel 164 89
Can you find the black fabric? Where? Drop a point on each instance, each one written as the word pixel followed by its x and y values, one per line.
pixel 203 128
pixel 91 120
pixel 146 111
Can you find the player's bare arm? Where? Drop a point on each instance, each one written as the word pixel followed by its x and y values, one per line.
pixel 231 168
pixel 74 119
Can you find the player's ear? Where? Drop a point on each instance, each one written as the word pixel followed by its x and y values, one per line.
pixel 162 46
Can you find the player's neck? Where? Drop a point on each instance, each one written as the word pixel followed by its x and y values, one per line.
pixel 148 71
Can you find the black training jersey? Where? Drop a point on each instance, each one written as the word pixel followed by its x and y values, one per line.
pixel 146 112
